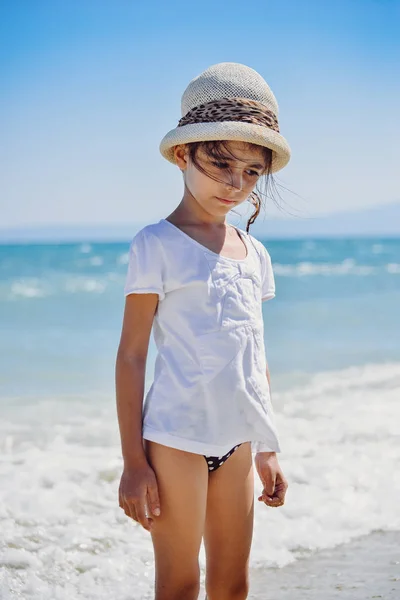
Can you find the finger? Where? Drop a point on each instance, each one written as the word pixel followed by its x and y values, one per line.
pixel 269 485
pixel 274 504
pixel 149 517
pixel 129 509
pixel 132 513
pixel 141 515
pixel 271 501
pixel 121 501
pixel 280 495
pixel 280 491
pixel 153 500
pixel 267 494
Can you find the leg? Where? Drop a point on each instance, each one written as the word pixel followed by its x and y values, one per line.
pixel 182 479
pixel 229 527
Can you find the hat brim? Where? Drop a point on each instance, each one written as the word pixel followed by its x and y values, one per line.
pixel 232 131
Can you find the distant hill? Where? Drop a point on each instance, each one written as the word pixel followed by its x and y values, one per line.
pixel 378 221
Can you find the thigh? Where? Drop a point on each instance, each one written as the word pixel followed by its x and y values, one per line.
pixel 229 523
pixel 182 479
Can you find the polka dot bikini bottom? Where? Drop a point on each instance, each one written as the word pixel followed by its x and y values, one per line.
pixel 214 462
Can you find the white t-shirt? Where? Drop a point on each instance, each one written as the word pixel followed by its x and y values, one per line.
pixel 210 390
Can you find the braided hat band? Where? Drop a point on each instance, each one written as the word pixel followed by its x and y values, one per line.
pixel 231 109
pixel 229 102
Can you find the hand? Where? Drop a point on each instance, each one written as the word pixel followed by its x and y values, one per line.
pixel 272 478
pixel 138 493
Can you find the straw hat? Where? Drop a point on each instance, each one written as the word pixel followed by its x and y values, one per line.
pixel 229 101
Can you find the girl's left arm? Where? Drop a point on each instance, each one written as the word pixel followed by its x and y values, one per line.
pixel 270 473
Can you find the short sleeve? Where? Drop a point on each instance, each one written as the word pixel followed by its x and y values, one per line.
pixel 268 280
pixel 145 266
pixel 262 447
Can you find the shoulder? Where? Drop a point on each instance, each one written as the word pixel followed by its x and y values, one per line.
pixel 150 236
pixel 259 246
pixel 267 274
pixel 157 245
pixel 149 231
pixel 162 231
pixel 146 265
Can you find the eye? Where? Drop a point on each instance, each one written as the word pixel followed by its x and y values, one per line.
pixel 220 165
pixel 225 165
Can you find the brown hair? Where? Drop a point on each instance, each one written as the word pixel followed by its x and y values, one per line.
pixel 218 150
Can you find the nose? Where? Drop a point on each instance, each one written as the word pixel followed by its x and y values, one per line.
pixel 235 180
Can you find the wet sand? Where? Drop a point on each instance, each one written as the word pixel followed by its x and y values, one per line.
pixel 368 567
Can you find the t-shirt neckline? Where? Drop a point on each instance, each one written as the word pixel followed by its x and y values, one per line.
pixel 205 249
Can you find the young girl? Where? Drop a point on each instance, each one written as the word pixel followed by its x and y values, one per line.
pixel 200 282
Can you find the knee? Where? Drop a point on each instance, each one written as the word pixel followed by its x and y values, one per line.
pixel 228 590
pixel 182 590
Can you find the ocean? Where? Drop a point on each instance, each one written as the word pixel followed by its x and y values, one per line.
pixel 332 340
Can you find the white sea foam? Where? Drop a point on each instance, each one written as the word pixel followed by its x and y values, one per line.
pixel 32 288
pixel 123 259
pixel 393 268
pixel 347 267
pixel 77 284
pixel 51 284
pixel 96 261
pixel 64 535
pixel 28 288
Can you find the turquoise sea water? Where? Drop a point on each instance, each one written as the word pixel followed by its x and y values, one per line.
pixel 332 339
pixel 61 309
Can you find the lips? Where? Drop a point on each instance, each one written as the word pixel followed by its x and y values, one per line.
pixel 225 200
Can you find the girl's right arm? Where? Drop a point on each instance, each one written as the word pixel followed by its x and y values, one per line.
pixel 138 487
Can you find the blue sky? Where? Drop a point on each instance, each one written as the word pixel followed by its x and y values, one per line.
pixel 89 88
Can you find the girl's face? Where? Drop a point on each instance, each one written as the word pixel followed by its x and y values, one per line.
pixel 232 180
